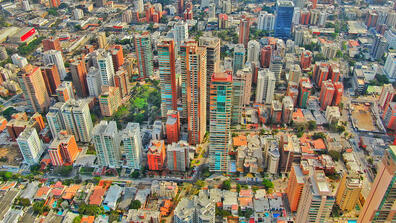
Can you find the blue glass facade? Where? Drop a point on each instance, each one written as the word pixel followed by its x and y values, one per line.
pixel 283 20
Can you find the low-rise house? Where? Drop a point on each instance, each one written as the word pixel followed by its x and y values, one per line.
pixel 129 195
pixel 97 195
pixel 42 193
pixel 143 215
pixel 70 192
pixel 230 202
pixel 112 196
pixel 164 189
pixel 30 190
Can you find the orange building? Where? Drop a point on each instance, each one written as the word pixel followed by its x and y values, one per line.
pixel 306 58
pixel 19 122
pixel 63 149
pixel 109 100
pixel 156 155
pixel 339 88
pixel 320 73
pixel 34 88
pixel 117 56
pixel 121 81
pixel 326 94
pixel 3 123
pixel 54 3
pixel 304 19
pixel 51 43
pixel 266 56
pixel 79 76
pixel 51 78
pixel 295 186
pixel 173 126
pixel 244 31
pixel 39 120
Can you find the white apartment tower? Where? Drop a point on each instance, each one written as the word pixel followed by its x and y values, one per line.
pixel 55 57
pixel 265 86
pixel 107 144
pixel 132 141
pixel 30 145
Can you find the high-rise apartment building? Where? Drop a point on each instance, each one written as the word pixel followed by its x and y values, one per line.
pixel 338 90
pixel 51 78
pixel 265 86
pixel 386 96
pixel 77 119
pixel 19 60
pixel 93 82
pixel 320 73
pixel 348 191
pixel 326 94
pixel 54 3
pixel 101 38
pixel 305 92
pixel 287 110
pixel 194 88
pixel 389 116
pixel 79 74
pixel 121 80
pixel 295 186
pixel 30 146
pixel 305 60
pixel 316 200
pixel 238 60
pixel 245 75
pixel 220 120
pixel 167 70
pixel 379 47
pixel 266 21
pixel 144 55
pixel 244 31
pixel 107 144
pixel 133 148
pixel 253 51
pixel 65 91
pixel 238 90
pixel 180 32
pixel 33 85
pixel 265 58
pixel 379 205
pixel 172 126
pixel 390 65
pixel 63 149
pixel 109 100
pixel 283 19
pixel 55 119
pixel 177 156
pixel 104 62
pixel 156 155
pixel 55 57
pixel 117 57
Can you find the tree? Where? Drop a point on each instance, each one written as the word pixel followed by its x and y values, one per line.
pixel 92 210
pixel 200 184
pixel 39 207
pixel 222 213
pixel 135 204
pixel 226 185
pixel 24 202
pixel 268 184
pixel 335 155
pixel 340 129
pixel 318 135
pixel 311 125
pixel 135 174
pixel 238 188
pixel 65 170
pixel 77 219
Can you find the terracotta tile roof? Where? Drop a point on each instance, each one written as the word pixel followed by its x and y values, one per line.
pixel 240 140
pixel 70 192
pixel 88 219
pixel 96 197
pixel 318 144
pixel 42 191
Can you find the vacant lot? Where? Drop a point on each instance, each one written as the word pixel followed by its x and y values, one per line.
pixel 362 117
pixel 10 155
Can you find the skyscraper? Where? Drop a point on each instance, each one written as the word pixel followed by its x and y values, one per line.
pixel 194 75
pixel 156 155
pixel 265 86
pixel 63 149
pixel 245 75
pixel 320 73
pixel 390 65
pixel 379 48
pixel 117 57
pixel 121 80
pixel 316 199
pixel 180 32
pixel 305 92
pixel 379 205
pixel 55 57
pixel 244 31
pixel 389 116
pixel 283 20
pixel 386 96
pixel 265 59
pixel 305 61
pixel 93 82
pixel 238 60
pixel 30 146
pixel 212 45
pixel 79 73
pixel 107 144
pixel 133 148
pixel 104 62
pixel 55 119
pixel 253 51
pixel 220 120
pixel 326 94
pixel 51 78
pixel 348 191
pixel 144 55
pixel 167 70
pixel 266 21
pixel 238 90
pixel 101 37
pixel 32 83
pixel 295 186
pixel 77 119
